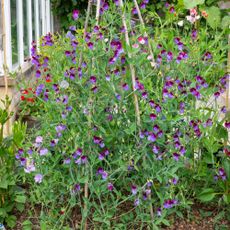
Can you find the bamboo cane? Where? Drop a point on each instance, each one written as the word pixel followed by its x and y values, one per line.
pixel 5 62
pixel 130 65
pixel 85 28
pixel 133 83
pixel 227 102
pixel 145 33
pixel 86 187
pixel 98 12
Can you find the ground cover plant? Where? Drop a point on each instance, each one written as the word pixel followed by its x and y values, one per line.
pixel 130 126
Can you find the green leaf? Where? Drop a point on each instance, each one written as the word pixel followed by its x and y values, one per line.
pixel 206 195
pixel 131 129
pixel 20 206
pixel 188 4
pixel 213 18
pixel 225 22
pixel 11 221
pixel 27 225
pixel 4 184
pixel 165 222
pixel 226 198
pixel 20 199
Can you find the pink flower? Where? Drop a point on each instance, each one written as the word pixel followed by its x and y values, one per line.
pixel 141 40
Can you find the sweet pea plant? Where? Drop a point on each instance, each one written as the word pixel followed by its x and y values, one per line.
pixel 119 152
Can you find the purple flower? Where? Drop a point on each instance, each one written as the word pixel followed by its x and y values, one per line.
pixel 176 156
pixel 136 202
pixel 73 28
pixel 153 116
pixel 93 79
pixel 194 35
pixel 38 178
pixel 110 186
pixel 152 137
pixel 43 152
pixel 159 212
pixel 174 181
pixel 38 73
pixel 94 89
pixel 67 161
pixel 158 108
pixel 30 167
pixel 39 139
pixel 216 94
pixel 90 45
pixel 134 11
pixel 224 109
pixel 152 103
pixel 227 124
pixel 103 173
pixel 155 149
pixel 134 189
pixel 156 128
pixel 169 56
pixel 53 142
pixel 142 5
pixel 170 203
pixel 76 188
pixel 75 14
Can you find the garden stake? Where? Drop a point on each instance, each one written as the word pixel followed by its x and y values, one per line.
pixel 228 82
pixel 98 12
pixel 145 33
pixel 86 187
pixel 133 76
pixel 130 65
pixel 85 27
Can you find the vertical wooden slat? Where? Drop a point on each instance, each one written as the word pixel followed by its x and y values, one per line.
pixel 29 23
pixel 20 28
pixel 37 26
pixel 43 14
pixel 1 39
pixel 48 16
pixel 7 34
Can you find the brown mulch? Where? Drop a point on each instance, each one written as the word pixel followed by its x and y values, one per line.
pixel 200 218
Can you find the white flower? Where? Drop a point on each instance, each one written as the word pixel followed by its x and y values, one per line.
pixel 180 23
pixel 150 57
pixel 64 84
pixel 192 19
pixel 106 40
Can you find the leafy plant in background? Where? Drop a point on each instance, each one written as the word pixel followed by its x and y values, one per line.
pixel 11 194
pixel 91 158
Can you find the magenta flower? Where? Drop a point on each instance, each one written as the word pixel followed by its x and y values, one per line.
pixel 75 14
pixel 227 124
pixel 172 9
